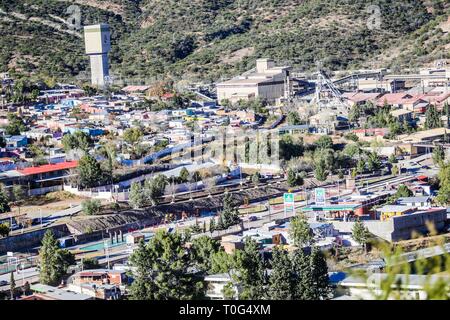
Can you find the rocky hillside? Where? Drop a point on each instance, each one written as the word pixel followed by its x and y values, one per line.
pixel 210 39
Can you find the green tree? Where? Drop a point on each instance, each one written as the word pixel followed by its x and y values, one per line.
pixel 15 126
pixel 294 179
pixel 373 161
pixel 202 249
pixel 77 140
pixel 361 166
pixel 163 270
pixel 299 231
pixel 90 263
pixel 250 271
pixel 432 118
pixel 228 202
pixel 136 195
pixel 12 286
pixel 403 192
pixel 133 135
pixel 91 207
pixel 355 113
pixel 4 230
pixel 392 159
pixel 360 234
pixel 90 173
pixel 4 206
pixel 324 142
pixel 293 118
pixel 302 279
pixel 443 196
pixel 320 172
pixel 196 176
pixel 212 225
pixel 438 155
pixel 279 287
pixel 53 261
pixel 394 170
pixel 319 272
pixel 154 188
pixel 184 175
pixel 352 150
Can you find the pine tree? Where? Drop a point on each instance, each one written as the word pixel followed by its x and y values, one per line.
pixel 319 273
pixel 301 278
pixel 53 261
pixel 202 250
pixel 432 118
pixel 438 155
pixel 162 270
pixel 142 287
pixel 360 233
pixel 279 287
pixel 90 173
pixel 250 271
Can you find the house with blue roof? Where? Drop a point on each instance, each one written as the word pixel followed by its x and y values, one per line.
pixel 14 142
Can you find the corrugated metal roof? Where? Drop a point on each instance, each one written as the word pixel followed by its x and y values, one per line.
pixel 49 168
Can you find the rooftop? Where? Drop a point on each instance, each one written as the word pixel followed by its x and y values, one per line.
pixel 49 168
pixel 54 293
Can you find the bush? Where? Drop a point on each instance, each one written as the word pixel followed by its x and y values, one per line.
pixel 91 207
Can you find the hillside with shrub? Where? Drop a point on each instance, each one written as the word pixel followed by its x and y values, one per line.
pixel 214 39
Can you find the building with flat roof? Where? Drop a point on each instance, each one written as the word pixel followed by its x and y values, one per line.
pixel 45 292
pixel 406 286
pixel 265 82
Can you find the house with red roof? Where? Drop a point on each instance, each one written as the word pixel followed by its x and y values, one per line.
pixel 360 98
pixel 46 175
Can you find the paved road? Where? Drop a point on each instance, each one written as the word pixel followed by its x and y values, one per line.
pixel 31 275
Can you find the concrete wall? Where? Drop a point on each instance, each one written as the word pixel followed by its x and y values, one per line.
pixel 400 227
pixel 30 239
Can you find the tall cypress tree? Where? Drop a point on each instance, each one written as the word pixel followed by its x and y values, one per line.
pixel 12 286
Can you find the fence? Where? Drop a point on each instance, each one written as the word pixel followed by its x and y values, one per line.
pixel 105 193
pixel 10 264
pixel 41 191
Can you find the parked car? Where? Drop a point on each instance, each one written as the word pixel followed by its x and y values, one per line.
pixel 252 218
pixel 4 283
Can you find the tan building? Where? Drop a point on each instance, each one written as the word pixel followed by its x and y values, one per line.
pixel 266 82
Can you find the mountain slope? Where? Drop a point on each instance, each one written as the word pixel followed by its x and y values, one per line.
pixel 211 39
